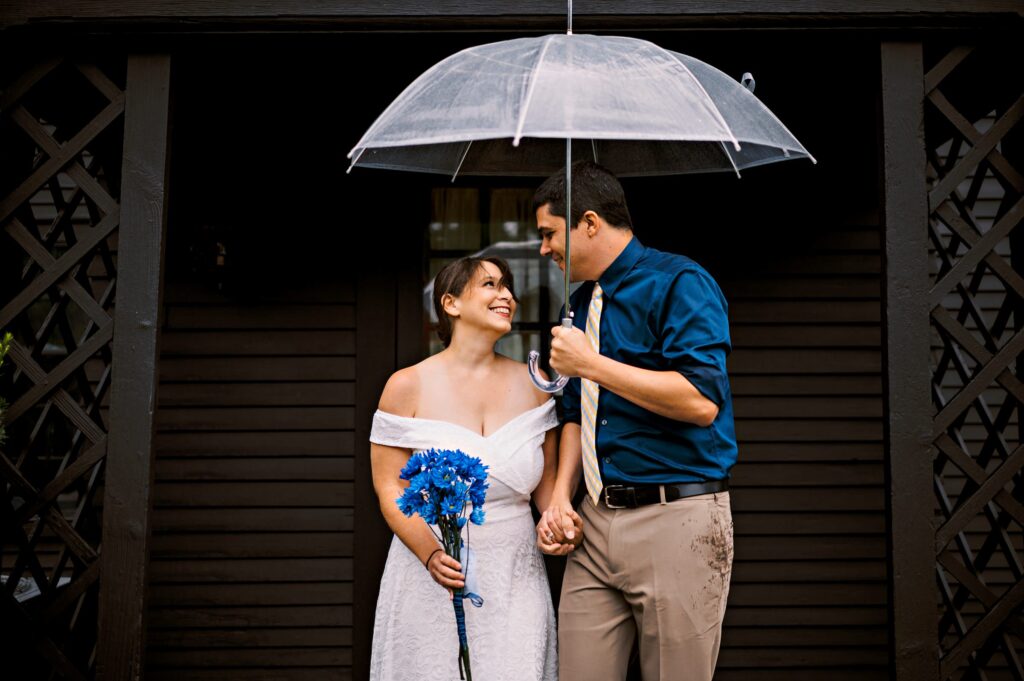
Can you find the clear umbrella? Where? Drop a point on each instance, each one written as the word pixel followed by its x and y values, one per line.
pixel 515 108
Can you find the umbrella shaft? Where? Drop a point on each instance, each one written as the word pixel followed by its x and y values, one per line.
pixel 568 210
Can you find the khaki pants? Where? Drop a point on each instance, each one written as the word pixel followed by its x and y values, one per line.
pixel 661 571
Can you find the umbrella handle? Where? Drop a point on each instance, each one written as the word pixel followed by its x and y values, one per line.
pixel 533 366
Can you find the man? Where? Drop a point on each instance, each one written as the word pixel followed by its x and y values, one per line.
pixel 649 422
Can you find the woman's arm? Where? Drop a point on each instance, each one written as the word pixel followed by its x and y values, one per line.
pixel 400 397
pixel 560 529
pixel 542 494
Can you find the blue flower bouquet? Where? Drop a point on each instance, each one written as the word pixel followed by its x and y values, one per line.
pixel 443 483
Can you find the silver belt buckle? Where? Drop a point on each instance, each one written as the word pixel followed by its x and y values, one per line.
pixel 608 503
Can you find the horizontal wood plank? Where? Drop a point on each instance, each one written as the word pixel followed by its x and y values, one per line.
pixel 800 384
pixel 851 616
pixel 269 658
pixel 255 418
pixel 797 522
pixel 812 474
pixel 807 499
pixel 249 444
pixel 804 312
pixel 187 292
pixel 791 594
pixel 302 593
pixel 756 659
pixel 776 406
pixel 276 394
pixel 263 616
pixel 750 335
pixel 772 361
pixel 298 637
pixel 340 673
pixel 809 451
pixel 253 570
pixel 247 545
pixel 214 317
pixel 261 494
pixel 255 369
pixel 267 468
pixel 227 520
pixel 262 342
pixel 803 637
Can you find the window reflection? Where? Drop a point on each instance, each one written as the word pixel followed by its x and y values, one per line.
pixel 496 222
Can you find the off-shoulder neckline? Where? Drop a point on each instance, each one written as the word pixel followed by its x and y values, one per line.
pixel 547 404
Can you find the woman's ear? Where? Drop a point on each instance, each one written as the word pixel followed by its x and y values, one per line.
pixel 450 305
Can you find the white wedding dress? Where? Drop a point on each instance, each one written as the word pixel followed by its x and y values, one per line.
pixel 512 637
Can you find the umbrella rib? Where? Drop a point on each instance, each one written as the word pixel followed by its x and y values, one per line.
pixel 593 147
pixel 355 160
pixel 529 92
pixel 711 102
pixel 725 150
pixel 462 160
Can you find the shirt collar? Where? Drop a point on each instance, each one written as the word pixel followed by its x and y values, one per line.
pixel 621 266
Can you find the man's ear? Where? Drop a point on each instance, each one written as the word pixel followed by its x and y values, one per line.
pixel 591 222
pixel 450 305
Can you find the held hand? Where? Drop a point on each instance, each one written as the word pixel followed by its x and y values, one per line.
pixel 571 352
pixel 560 530
pixel 446 571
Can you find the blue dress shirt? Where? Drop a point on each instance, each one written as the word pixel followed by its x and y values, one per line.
pixel 662 312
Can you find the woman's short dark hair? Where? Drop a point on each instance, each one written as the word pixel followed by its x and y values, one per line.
pixel 593 188
pixel 453 278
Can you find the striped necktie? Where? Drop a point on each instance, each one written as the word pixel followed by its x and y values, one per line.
pixel 588 401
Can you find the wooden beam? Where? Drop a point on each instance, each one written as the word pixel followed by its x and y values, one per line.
pixel 127 498
pixel 389 314
pixel 913 639
pixel 196 16
pixel 376 341
pixel 104 9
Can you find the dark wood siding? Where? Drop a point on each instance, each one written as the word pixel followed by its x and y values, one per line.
pixel 796 249
pixel 252 545
pixel 809 592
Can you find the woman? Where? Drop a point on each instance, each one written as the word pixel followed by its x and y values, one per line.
pixel 467 397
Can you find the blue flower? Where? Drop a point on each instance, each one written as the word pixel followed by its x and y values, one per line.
pixel 441 482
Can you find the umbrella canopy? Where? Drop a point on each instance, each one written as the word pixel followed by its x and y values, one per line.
pixel 633 107
pixel 628 104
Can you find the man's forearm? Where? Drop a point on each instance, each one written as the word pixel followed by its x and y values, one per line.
pixel 569 464
pixel 666 393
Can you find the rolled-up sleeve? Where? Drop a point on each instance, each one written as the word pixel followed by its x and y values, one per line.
pixel 694 325
pixel 571 401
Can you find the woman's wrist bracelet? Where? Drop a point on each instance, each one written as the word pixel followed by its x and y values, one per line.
pixel 426 563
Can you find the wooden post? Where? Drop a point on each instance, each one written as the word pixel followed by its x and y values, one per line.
pixel 913 595
pixel 389 323
pixel 129 477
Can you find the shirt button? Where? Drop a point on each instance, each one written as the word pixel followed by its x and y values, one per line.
pixel 604 422
pixel 607 459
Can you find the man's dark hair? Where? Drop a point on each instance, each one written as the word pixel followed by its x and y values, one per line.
pixel 453 278
pixel 593 188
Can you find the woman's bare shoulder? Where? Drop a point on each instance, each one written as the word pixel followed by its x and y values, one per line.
pixel 401 393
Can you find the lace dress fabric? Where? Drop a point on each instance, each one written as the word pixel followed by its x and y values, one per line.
pixel 512 637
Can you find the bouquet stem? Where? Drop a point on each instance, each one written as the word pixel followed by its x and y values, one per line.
pixel 460 622
pixel 452 536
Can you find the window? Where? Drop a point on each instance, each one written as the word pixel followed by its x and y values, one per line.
pixel 496 222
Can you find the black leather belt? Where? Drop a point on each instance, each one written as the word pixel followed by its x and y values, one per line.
pixel 625 496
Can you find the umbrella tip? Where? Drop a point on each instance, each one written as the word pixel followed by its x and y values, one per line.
pixel 747 81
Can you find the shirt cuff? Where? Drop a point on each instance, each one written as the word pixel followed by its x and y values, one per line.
pixel 712 383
